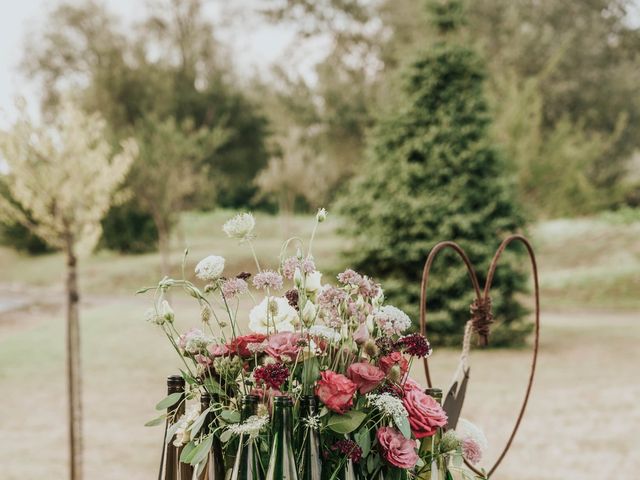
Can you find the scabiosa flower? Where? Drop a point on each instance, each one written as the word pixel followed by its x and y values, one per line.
pixel 241 227
pixel 386 345
pixel 349 448
pixel 194 341
pixel 392 320
pixel 292 297
pixel 390 388
pixel 273 375
pixel 325 332
pixel 331 299
pixel 267 279
pixel 415 345
pixel 210 268
pixel 305 265
pixel 234 287
pixel 474 443
pixel 350 277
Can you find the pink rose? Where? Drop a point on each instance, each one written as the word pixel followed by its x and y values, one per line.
pixel 396 449
pixel 411 384
pixel 335 391
pixel 283 346
pixel 394 358
pixel 471 450
pixel 239 346
pixel 365 375
pixel 425 413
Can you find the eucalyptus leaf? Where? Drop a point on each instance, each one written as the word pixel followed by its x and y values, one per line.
pixel 214 387
pixel 197 424
pixel 201 451
pixel 226 436
pixel 187 452
pixel 156 421
pixel 403 425
pixel 171 431
pixel 169 401
pixel 230 416
pixel 347 422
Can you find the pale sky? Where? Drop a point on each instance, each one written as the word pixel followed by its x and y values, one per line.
pixel 256 46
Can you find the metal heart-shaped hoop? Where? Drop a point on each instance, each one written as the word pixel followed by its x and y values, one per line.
pixel 482 318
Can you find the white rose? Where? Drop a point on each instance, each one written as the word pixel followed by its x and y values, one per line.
pixel 273 315
pixel 313 283
pixel 210 268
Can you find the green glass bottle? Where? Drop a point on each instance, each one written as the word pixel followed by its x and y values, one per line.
pixel 282 465
pixel 171 453
pixel 436 471
pixel 214 468
pixel 247 465
pixel 308 441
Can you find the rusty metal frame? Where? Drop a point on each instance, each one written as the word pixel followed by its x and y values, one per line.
pixel 483 299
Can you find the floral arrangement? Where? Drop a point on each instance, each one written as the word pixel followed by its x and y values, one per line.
pixel 338 343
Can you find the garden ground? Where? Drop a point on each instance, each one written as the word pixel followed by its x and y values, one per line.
pixel 581 422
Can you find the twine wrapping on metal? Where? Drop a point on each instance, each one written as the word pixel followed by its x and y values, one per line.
pixel 482 317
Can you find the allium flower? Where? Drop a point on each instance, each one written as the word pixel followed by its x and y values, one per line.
pixel 474 442
pixel 388 404
pixel 251 426
pixel 273 314
pixel 415 345
pixel 273 375
pixel 331 299
pixel 361 283
pixel 350 277
pixel 392 320
pixel 234 287
pixel 210 268
pixel 349 448
pixel 241 226
pixel 325 332
pixel 267 279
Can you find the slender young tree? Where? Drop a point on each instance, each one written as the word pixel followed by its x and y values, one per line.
pixel 62 176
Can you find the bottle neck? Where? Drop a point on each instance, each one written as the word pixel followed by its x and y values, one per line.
pixel 282 417
pixel 248 406
pixel 308 406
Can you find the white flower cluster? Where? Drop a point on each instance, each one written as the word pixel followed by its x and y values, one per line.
pixel 392 320
pixel 312 422
pixel 210 268
pixel 241 226
pixel 251 426
pixel 162 315
pixel 387 404
pixel 197 342
pixel 325 332
pixel 183 435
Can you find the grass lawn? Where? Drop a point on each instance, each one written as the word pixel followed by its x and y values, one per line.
pixel 583 414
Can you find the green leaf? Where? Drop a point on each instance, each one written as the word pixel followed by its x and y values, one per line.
pixel 156 421
pixel 171 431
pixel 347 422
pixel 448 475
pixel 201 451
pixel 363 439
pixel 187 451
pixel 169 401
pixel 197 425
pixel 403 425
pixel 226 436
pixel 214 387
pixel 230 416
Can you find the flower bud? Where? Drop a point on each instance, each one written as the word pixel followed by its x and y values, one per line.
pixel 395 374
pixel 370 348
pixel 297 278
pixel 205 314
pixel 166 311
pixel 321 216
pixel 309 313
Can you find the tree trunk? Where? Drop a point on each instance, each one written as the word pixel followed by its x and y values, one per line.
pixel 74 383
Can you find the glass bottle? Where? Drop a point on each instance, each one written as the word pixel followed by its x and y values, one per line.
pixel 247 465
pixel 170 453
pixel 282 464
pixel 308 440
pixel 437 470
pixel 214 468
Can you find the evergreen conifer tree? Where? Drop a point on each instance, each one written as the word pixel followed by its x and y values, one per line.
pixel 432 174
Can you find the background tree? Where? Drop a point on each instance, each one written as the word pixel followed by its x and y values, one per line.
pixel 63 177
pixel 448 182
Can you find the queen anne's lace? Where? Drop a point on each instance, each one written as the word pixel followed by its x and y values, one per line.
pixel 388 404
pixel 251 426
